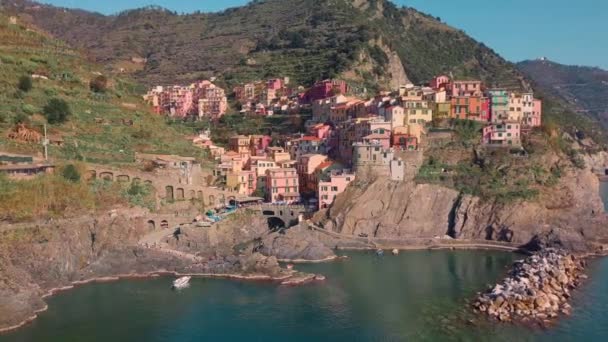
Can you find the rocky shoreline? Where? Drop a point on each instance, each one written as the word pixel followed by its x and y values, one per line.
pixel 291 278
pixel 536 290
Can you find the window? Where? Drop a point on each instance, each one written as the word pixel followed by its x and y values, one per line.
pixel 348 179
pixel 334 188
pixel 508 126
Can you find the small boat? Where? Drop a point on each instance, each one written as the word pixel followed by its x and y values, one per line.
pixel 181 283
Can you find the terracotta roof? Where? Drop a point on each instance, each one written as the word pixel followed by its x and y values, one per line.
pixel 309 138
pixel 324 165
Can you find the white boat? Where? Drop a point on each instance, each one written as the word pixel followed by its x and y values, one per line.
pixel 181 283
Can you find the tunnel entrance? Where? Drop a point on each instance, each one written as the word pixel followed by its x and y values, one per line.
pixel 275 223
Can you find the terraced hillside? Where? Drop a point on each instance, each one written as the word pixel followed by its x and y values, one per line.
pixel 104 127
pixel 368 41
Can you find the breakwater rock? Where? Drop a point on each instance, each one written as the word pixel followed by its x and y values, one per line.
pixel 537 289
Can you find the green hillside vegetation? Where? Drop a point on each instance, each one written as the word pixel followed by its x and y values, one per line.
pixel 96 126
pixel 306 40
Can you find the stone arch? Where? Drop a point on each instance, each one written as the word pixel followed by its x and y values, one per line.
pixel 179 194
pixel 199 194
pixel 191 194
pixel 164 224
pixel 91 175
pixel 109 176
pixel 211 200
pixel 123 178
pixel 223 199
pixel 169 193
pixel 148 183
pixel 151 225
pixel 275 223
pixel 136 180
pixel 231 200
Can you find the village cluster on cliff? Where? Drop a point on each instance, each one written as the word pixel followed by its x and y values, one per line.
pixel 347 135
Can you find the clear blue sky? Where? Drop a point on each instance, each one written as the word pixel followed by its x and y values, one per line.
pixel 566 31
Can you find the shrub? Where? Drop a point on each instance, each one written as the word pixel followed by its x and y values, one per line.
pixel 71 173
pixel 99 84
pixel 20 118
pixel 57 111
pixel 28 109
pixel 25 83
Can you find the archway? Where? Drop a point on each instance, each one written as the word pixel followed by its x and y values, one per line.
pixel 151 225
pixel 275 223
pixel 164 224
pixel 169 193
pixel 191 194
pixel 180 194
pixel 136 180
pixel 109 176
pixel 199 195
pixel 232 200
pixel 211 200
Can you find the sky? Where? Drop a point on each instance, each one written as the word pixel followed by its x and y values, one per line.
pixel 565 31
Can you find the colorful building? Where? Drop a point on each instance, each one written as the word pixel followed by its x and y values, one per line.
pixel 467 88
pixel 329 189
pixel 282 185
pixel 306 167
pixel 507 133
pixel 470 108
pixel 418 112
pixel 499 105
pixel 325 89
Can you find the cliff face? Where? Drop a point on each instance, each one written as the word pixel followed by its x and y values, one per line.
pixel 570 214
pixel 36 258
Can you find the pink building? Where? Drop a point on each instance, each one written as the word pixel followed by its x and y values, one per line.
pixel 258 144
pixel 177 101
pixel 274 84
pixel 325 89
pixel 506 133
pixel 328 190
pixel 440 82
pixel 307 165
pixel 282 185
pixel 533 118
pixel 321 131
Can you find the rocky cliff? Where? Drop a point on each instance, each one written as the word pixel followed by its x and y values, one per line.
pixel 39 257
pixel 569 214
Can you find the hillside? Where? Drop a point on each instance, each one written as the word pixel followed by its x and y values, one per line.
pixel 585 89
pixel 104 127
pixel 368 42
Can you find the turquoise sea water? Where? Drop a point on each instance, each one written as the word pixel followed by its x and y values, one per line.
pixel 419 295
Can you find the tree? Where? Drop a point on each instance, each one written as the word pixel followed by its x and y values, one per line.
pixel 25 83
pixel 57 111
pixel 71 173
pixel 99 84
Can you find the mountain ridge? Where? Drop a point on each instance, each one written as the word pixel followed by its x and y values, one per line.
pixel 306 40
pixel 583 88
